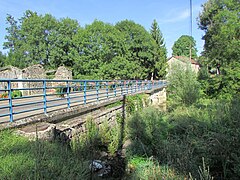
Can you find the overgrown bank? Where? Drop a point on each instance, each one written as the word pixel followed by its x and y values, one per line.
pixel 183 138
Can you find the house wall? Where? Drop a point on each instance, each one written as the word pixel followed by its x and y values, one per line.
pixel 173 60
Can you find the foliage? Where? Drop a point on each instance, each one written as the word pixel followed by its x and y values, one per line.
pixel 182 46
pixel 2 59
pixel 159 52
pixel 135 103
pixel 96 51
pixel 139 48
pixel 146 130
pixel 16 93
pixel 23 159
pixel 147 168
pixel 220 21
pixel 183 84
pixel 182 137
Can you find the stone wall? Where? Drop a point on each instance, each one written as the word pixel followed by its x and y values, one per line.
pixel 32 72
pixel 10 72
pixel 158 98
pixel 63 73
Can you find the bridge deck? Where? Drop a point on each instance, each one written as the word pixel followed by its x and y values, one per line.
pixel 45 102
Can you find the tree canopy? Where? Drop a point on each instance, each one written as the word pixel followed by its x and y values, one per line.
pixel 97 51
pixel 159 52
pixel 182 46
pixel 221 21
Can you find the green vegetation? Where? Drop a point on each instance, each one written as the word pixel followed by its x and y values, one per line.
pixel 96 51
pixel 220 21
pixel 147 168
pixel 160 52
pixel 181 138
pixel 23 159
pixel 182 47
pixel 14 94
pixel 197 138
pixel 183 87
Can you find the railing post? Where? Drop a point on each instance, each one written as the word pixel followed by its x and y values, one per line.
pixel 44 97
pixel 115 89
pixel 131 87
pixel 10 101
pixel 121 86
pixel 97 88
pixel 135 86
pixel 84 92
pixel 68 97
pixel 107 89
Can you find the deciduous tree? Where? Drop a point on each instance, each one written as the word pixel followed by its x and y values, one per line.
pixel 182 46
pixel 220 20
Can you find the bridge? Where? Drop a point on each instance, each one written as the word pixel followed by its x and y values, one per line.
pixel 24 101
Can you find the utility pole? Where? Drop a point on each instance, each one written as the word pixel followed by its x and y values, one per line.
pixel 190 49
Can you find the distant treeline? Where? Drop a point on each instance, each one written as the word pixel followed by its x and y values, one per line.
pixel 100 50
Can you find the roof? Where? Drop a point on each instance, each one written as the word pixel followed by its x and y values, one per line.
pixel 184 59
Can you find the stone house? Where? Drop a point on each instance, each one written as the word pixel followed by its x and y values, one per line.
pixel 183 61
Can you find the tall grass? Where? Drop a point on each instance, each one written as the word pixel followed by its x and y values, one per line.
pixel 24 159
pixel 182 137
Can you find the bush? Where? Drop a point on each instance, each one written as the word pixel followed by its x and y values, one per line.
pixel 16 93
pixel 183 85
pixel 181 138
pixel 147 131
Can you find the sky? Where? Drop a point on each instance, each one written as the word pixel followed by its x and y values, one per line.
pixel 173 16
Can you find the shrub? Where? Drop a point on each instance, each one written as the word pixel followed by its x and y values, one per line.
pixel 183 85
pixel 16 93
pixel 148 132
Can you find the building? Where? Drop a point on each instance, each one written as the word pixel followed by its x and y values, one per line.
pixel 183 61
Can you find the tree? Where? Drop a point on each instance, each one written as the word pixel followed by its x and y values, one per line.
pixel 28 38
pixel 140 46
pixel 220 20
pixel 60 43
pixel 182 46
pixel 97 47
pixel 160 52
pixel 2 59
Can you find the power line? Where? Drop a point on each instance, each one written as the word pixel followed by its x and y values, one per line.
pixel 190 49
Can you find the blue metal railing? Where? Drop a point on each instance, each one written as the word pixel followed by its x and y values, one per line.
pixel 22 96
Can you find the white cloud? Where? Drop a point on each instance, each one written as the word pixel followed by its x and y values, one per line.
pixel 177 15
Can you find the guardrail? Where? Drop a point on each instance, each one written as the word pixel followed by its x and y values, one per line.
pixel 22 96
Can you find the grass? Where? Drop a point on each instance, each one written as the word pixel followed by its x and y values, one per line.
pixel 185 135
pixel 23 159
pixel 147 168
